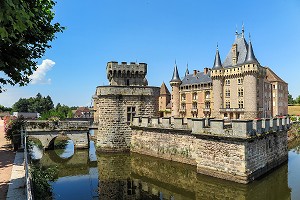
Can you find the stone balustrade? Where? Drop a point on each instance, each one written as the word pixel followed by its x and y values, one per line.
pixel 235 128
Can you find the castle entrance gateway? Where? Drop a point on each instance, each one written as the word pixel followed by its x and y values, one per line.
pixel 126 96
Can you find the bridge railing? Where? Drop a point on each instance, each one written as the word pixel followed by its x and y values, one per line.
pixel 28 182
pixel 44 125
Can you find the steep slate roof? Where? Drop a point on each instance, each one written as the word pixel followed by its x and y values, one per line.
pixel 250 58
pixel 200 77
pixel 175 77
pixel 164 89
pixel 272 77
pixel 217 63
pixel 242 47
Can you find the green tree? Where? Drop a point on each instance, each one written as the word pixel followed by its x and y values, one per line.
pixel 290 99
pixel 26 29
pixel 297 100
pixel 38 104
pixel 5 109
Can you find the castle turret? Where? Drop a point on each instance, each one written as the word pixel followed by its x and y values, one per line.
pixel 124 74
pixel 217 82
pixel 175 99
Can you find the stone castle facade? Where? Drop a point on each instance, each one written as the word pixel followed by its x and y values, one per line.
pixel 126 96
pixel 238 88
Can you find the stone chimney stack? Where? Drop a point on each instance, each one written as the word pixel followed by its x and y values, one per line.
pixel 195 72
pixel 206 70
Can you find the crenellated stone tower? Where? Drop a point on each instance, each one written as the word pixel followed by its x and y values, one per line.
pixel 175 98
pixel 115 105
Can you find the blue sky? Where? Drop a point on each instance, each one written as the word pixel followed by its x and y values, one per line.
pixel 158 32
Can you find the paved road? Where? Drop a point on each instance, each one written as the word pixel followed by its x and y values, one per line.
pixel 7 157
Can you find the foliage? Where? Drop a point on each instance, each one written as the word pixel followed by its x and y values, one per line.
pixel 26 29
pixel 60 111
pixel 13 130
pixel 38 104
pixel 5 109
pixel 291 100
pixel 41 176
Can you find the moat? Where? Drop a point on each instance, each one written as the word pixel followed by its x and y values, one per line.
pixel 85 174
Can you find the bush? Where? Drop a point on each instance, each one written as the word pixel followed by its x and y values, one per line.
pixel 13 130
pixel 41 178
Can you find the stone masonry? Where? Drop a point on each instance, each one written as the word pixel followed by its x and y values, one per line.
pixel 115 105
pixel 240 152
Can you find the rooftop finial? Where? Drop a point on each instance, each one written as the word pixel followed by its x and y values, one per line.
pixel 217 46
pixel 249 37
pixel 243 29
pixel 187 69
pixel 236 31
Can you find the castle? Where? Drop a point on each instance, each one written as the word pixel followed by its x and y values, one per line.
pixel 191 124
pixel 238 88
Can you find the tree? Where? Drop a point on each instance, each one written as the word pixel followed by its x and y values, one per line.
pixel 25 33
pixel 290 99
pixel 38 104
pixel 297 100
pixel 5 109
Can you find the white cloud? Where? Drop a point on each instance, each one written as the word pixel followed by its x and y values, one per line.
pixel 39 76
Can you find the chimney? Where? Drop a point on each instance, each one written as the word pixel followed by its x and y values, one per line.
pixel 195 72
pixel 206 70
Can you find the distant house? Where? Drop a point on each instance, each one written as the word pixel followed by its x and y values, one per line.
pixel 27 115
pixel 83 112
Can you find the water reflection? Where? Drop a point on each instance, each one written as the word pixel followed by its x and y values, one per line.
pixel 67 151
pixel 88 175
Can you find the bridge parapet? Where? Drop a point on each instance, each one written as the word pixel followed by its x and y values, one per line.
pixel 207 126
pixel 44 125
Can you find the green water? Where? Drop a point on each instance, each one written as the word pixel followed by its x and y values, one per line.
pixel 83 174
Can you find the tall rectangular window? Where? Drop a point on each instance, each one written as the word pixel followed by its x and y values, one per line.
pixel 130 113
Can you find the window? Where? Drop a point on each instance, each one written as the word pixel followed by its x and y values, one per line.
pixel 207 95
pixel 183 106
pixel 227 93
pixel 183 97
pixel 227 104
pixel 240 92
pixel 207 104
pixel 240 81
pixel 241 104
pixel 227 82
pixel 130 113
pixel 194 106
pixel 195 96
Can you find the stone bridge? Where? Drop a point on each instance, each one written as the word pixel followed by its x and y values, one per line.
pixel 47 131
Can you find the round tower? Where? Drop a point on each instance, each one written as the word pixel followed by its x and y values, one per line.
pixel 217 82
pixel 175 98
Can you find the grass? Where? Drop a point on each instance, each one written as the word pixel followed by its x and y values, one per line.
pixel 294 110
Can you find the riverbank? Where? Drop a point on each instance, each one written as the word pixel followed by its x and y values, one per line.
pixel 7 156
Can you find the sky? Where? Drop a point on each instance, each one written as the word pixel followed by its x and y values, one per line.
pixel 158 33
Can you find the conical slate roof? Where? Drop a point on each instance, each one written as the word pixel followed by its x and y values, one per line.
pixel 164 89
pixel 217 63
pixel 175 77
pixel 250 58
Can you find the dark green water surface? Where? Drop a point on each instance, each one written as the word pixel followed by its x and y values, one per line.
pixel 84 174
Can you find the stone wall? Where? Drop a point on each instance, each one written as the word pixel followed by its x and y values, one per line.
pixel 239 153
pixel 112 104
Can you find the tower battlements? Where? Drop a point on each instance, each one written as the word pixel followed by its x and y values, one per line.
pixel 126 74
